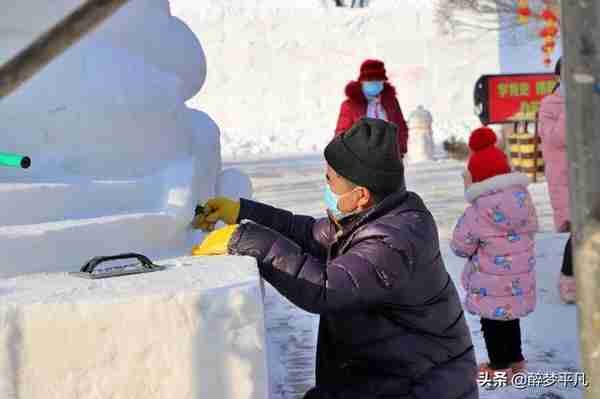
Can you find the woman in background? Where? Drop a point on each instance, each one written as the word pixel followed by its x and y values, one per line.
pixel 552 128
pixel 371 95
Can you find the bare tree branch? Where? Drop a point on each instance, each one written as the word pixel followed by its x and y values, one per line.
pixel 477 16
pixel 352 4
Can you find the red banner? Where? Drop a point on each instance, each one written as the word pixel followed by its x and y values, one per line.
pixel 511 98
pixel 517 97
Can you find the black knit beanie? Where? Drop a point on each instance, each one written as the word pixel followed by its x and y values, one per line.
pixel 367 155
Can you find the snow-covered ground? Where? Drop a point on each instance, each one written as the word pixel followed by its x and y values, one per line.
pixel 550 341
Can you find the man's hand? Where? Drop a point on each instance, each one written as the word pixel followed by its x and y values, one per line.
pixel 215 209
pixel 216 242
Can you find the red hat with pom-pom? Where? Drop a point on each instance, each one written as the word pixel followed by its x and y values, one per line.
pixel 372 70
pixel 486 159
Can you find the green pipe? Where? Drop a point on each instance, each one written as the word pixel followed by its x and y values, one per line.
pixel 14 160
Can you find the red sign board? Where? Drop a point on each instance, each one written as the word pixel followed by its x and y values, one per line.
pixel 511 98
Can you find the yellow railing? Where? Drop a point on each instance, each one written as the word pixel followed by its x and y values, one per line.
pixel 525 152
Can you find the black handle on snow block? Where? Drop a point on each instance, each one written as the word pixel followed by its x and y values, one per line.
pixel 95 261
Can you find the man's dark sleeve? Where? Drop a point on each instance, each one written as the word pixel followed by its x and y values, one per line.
pixel 312 235
pixel 363 278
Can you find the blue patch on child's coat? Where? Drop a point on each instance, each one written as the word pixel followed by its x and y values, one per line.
pixel 513 236
pixel 499 217
pixel 458 252
pixel 469 239
pixel 521 198
pixel 503 261
pixel 516 289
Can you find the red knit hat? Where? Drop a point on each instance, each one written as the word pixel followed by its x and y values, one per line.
pixel 486 159
pixel 372 70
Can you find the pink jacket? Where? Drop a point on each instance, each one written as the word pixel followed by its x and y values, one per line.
pixel 496 234
pixel 554 147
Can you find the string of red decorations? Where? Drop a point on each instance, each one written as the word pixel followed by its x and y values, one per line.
pixel 550 30
pixel 549 33
pixel 523 11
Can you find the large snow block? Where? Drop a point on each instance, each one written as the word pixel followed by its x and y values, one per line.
pixel 195 330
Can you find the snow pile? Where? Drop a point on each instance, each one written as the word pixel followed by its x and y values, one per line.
pixel 276 73
pixel 420 140
pixel 195 330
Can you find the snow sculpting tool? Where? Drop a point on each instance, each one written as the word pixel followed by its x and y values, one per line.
pixel 14 160
pixel 143 265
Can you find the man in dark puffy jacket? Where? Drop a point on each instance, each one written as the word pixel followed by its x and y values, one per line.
pixel 391 323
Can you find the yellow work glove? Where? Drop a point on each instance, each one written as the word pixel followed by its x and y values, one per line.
pixel 216 242
pixel 215 209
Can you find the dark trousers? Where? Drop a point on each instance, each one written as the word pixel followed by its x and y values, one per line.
pixel 567 265
pixel 503 342
pixel 454 379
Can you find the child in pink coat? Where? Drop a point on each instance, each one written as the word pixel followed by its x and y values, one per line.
pixel 496 235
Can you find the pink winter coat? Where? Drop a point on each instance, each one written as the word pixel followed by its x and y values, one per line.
pixel 554 147
pixel 496 234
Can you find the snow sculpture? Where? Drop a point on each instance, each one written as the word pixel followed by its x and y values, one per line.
pixel 420 139
pixel 118 165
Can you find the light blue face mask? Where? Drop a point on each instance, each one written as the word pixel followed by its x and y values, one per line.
pixel 331 200
pixel 372 89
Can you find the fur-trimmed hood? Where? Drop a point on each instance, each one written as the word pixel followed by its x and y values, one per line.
pixel 354 91
pixel 495 183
